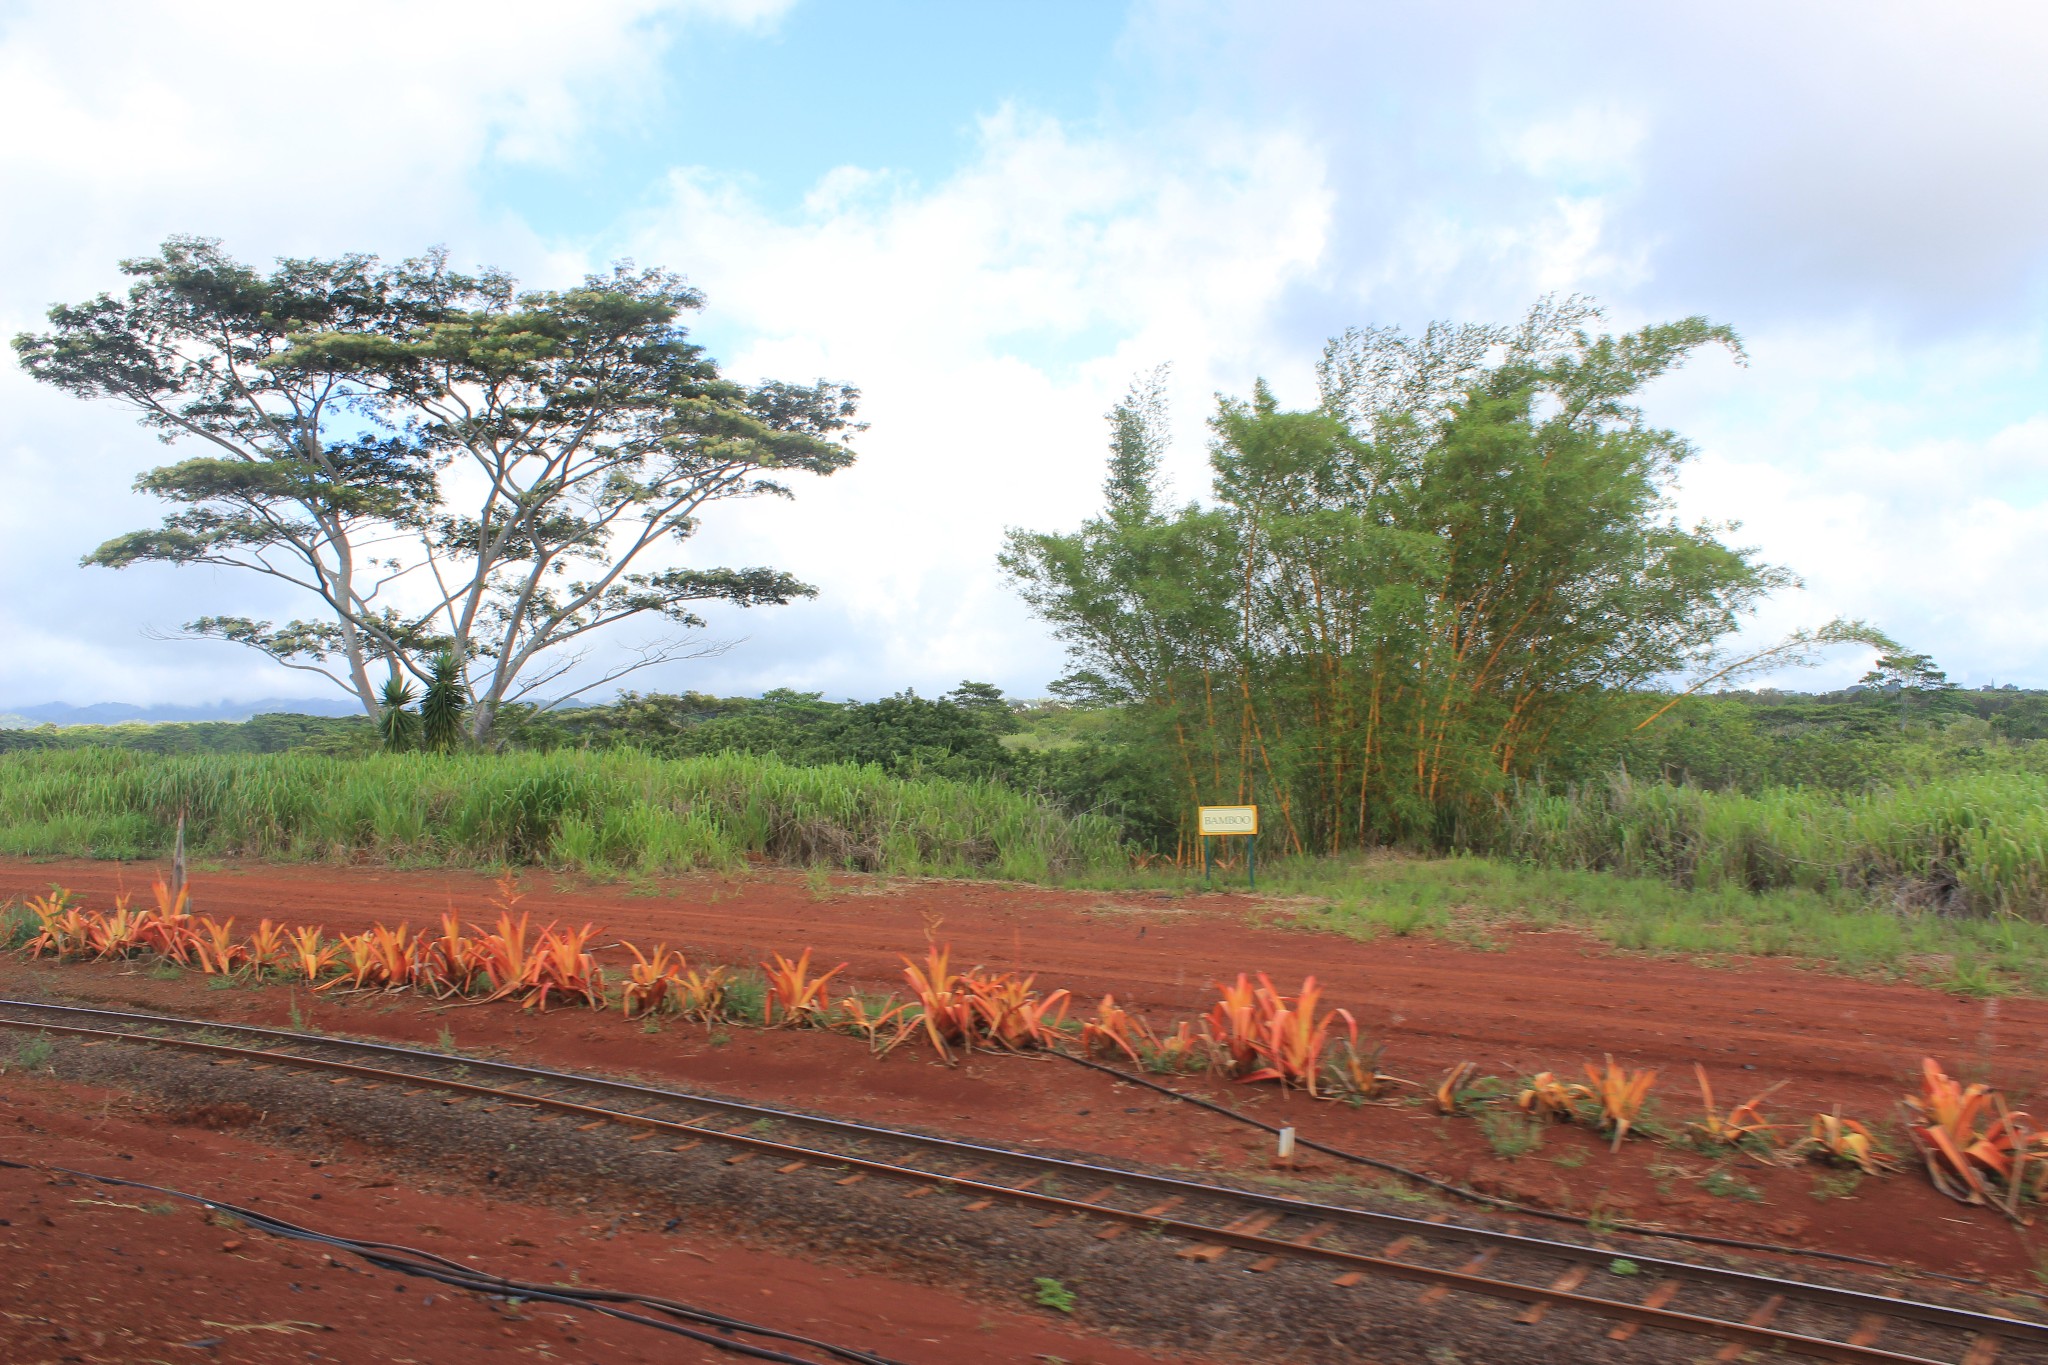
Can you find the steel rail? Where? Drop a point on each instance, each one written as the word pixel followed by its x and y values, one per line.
pixel 1883 1305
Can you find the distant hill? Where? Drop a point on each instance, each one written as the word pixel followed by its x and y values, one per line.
pixel 122 713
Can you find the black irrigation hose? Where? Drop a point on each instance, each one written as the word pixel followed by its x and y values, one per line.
pixel 427 1265
pixel 1474 1196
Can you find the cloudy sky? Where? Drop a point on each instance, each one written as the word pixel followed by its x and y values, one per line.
pixel 990 216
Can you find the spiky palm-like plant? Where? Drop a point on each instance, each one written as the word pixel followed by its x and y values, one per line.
pixel 442 708
pixel 396 726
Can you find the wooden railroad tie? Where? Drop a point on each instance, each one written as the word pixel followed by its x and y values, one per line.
pixel 1116 1230
pixel 1663 1292
pixel 1096 1198
pixel 1983 1350
pixel 1563 1284
pixel 1760 1318
pixel 922 1190
pixel 1251 1226
pixel 1393 1251
pixel 978 1205
pixel 1436 1292
pixel 1309 1238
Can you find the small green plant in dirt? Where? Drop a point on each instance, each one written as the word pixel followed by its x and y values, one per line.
pixel 746 993
pixel 446 1041
pixel 33 1054
pixel 1972 978
pixel 1725 1185
pixel 651 1024
pixel 1463 1090
pixel 1511 1135
pixel 1602 1222
pixel 1570 1160
pixel 720 1038
pixel 1052 1294
pixel 818 881
pixel 166 971
pixel 1621 1265
pixel 1836 1184
pixel 17 927
pixel 160 1206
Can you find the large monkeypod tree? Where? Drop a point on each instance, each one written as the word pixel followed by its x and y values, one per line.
pixel 446 466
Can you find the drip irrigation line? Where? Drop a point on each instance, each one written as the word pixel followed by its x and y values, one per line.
pixel 1476 1197
pixel 429 1265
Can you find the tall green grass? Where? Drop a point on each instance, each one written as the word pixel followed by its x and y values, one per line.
pixel 604 812
pixel 1976 844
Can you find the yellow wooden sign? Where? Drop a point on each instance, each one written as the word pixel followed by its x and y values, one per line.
pixel 1228 819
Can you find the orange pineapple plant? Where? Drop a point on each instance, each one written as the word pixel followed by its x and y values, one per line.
pixel 793 992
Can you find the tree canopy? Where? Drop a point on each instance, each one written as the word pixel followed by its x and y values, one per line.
pixel 1398 602
pixel 442 463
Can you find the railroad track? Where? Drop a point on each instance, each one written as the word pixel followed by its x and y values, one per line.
pixel 1744 1310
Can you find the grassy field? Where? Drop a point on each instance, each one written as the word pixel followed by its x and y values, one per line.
pixel 603 813
pixel 1845 881
pixel 1468 899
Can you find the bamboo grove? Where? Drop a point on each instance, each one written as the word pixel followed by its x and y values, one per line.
pixel 1397 604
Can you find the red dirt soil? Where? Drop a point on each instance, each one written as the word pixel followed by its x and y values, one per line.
pixel 97 1274
pixel 1545 1001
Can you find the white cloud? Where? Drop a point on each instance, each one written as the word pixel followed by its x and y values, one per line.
pixel 991 319
pixel 1862 197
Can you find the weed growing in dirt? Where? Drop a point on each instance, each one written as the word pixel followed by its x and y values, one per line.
pixel 18 925
pixel 1053 1294
pixel 33 1054
pixel 720 1038
pixel 1972 978
pixel 1836 1184
pixel 446 1041
pixel 746 994
pixel 1724 1185
pixel 166 971
pixel 1511 1135
pixel 1571 1160
pixel 1621 1265
pixel 160 1206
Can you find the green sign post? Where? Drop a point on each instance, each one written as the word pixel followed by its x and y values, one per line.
pixel 1231 822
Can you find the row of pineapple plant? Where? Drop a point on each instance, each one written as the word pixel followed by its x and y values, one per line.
pixel 1975 1147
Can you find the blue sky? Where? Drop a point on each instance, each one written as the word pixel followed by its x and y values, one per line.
pixel 890 83
pixel 991 215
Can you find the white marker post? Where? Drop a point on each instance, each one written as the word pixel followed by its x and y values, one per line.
pixel 1287 1146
